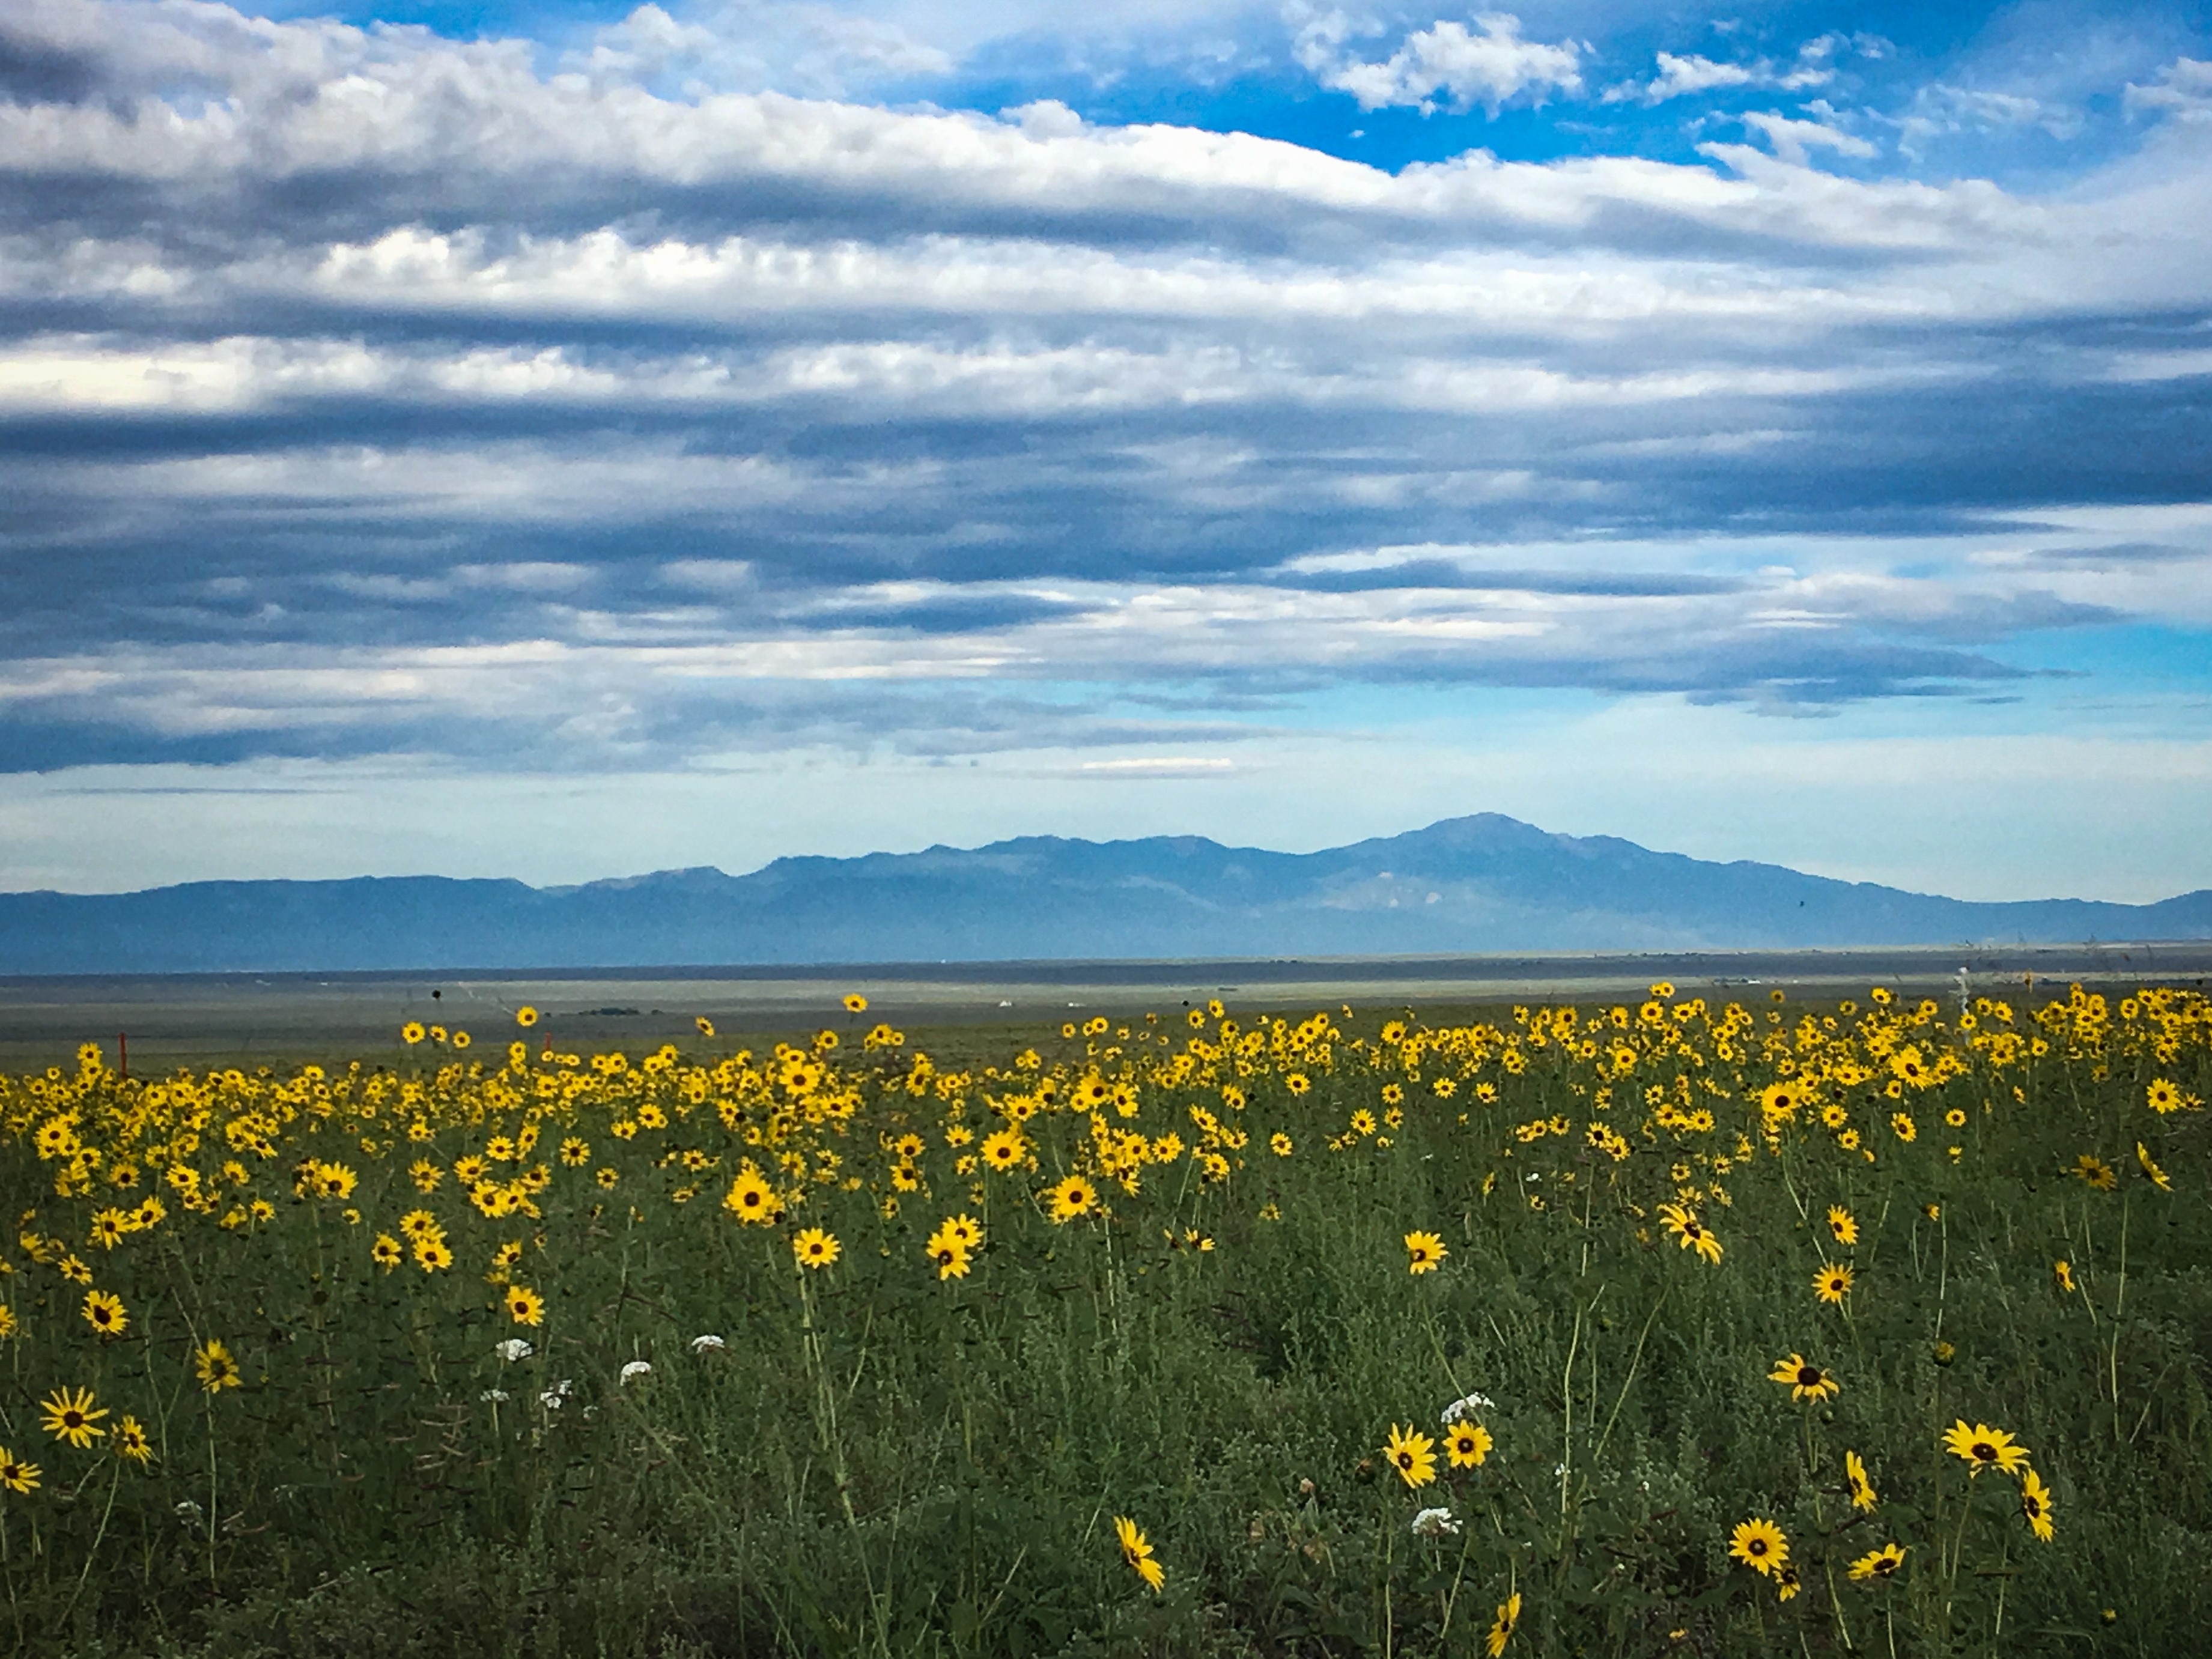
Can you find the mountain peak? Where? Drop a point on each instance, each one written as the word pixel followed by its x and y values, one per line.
pixel 1477 884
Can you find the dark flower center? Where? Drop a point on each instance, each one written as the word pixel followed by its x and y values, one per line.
pixel 1756 1547
pixel 1809 1376
pixel 1984 1451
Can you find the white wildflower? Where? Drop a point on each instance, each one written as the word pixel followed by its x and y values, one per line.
pixel 556 1396
pixel 707 1345
pixel 1434 1523
pixel 514 1348
pixel 496 1396
pixel 1467 1408
pixel 189 1512
pixel 636 1369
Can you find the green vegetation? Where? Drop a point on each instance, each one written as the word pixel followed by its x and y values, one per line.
pixel 1658 1329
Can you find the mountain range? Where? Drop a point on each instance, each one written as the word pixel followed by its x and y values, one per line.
pixel 1478 884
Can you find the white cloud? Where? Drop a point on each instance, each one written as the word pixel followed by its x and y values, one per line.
pixel 244 374
pixel 631 413
pixel 1682 75
pixel 2183 89
pixel 411 120
pixel 1446 64
pixel 1940 110
pixel 750 45
pixel 1677 77
pixel 1792 139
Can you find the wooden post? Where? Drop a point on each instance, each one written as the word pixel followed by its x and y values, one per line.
pixel 123 1056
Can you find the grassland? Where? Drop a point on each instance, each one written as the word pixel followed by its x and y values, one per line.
pixel 1668 1327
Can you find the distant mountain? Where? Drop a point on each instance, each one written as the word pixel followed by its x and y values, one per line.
pixel 1466 885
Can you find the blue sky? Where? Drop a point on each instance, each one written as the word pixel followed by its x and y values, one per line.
pixel 564 440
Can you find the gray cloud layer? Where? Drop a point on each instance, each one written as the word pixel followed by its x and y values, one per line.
pixel 363 391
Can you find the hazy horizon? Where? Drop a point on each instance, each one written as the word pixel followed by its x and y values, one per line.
pixel 612 879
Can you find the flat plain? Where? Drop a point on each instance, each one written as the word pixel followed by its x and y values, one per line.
pixel 1846 1302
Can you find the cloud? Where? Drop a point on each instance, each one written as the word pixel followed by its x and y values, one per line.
pixel 2183 90
pixel 1446 65
pixel 749 47
pixel 603 405
pixel 1686 75
pixel 1793 139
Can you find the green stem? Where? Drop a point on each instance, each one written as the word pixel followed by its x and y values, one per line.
pixel 2119 1298
pixel 92 1553
pixel 1633 1359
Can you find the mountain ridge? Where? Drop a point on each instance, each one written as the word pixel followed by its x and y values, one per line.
pixel 1481 883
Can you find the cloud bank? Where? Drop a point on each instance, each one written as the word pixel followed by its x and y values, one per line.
pixel 665 394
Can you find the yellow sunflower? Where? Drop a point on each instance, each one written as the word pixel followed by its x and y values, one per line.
pixel 1502 1627
pixel 1833 1284
pixel 2096 1172
pixel 1467 1444
pixel 2150 1168
pixel 1760 1545
pixel 71 1417
pixel 1412 1455
pixel 1855 1477
pixel 1804 1380
pixel 131 1441
pixel 1692 1234
pixel 1004 1149
pixel 1137 1553
pixel 1981 1447
pixel 2035 1504
pixel 103 1311
pixel 1879 1564
pixel 1424 1251
pixel 215 1367
pixel 750 1199
pixel 1072 1198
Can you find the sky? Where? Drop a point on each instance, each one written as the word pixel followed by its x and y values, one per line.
pixel 562 440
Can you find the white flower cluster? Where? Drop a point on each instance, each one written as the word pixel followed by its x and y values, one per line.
pixel 632 1371
pixel 513 1349
pixel 707 1345
pixel 556 1396
pixel 1434 1523
pixel 1467 1408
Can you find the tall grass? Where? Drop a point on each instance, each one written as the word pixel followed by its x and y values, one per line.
pixel 908 1451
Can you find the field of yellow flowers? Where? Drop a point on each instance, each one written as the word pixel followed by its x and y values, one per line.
pixel 1668 1327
